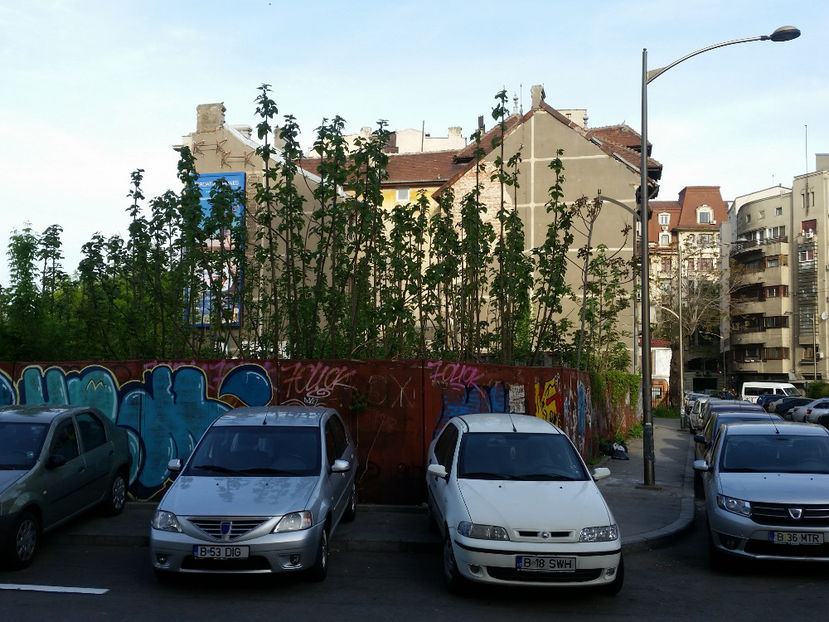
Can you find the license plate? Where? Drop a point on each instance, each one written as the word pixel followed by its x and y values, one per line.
pixel 201 551
pixel 534 563
pixel 796 537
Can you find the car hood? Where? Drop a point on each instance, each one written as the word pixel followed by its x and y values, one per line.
pixel 238 496
pixel 7 478
pixel 535 505
pixel 776 487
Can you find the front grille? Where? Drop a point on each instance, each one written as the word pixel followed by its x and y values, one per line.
pixel 778 514
pixel 759 547
pixel 236 527
pixel 225 565
pixel 524 533
pixel 511 574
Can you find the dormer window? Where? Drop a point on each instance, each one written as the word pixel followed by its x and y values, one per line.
pixel 705 215
pixel 664 218
pixel 664 239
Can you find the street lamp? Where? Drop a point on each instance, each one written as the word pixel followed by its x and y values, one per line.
pixel 784 33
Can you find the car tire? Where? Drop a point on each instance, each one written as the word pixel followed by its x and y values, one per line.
pixel 615 586
pixel 117 495
pixel 23 540
pixel 350 512
pixel 455 581
pixel 320 568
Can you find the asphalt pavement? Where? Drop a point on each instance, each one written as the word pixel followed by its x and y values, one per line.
pixel 648 516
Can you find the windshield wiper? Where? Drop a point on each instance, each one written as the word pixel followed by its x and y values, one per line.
pixel 214 467
pixel 552 477
pixel 485 475
pixel 269 471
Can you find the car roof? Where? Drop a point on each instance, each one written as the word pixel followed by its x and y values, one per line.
pixel 44 413
pixel 783 427
pixel 299 416
pixel 743 415
pixel 507 422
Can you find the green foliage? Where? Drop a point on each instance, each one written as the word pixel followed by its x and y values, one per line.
pixel 328 270
pixel 817 388
pixel 666 413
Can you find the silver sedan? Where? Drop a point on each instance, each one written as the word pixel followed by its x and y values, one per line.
pixel 767 492
pixel 262 492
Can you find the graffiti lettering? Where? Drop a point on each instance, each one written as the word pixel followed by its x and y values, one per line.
pixel 453 375
pixel 316 380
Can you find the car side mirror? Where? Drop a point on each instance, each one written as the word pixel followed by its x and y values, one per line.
pixel 438 470
pixel 340 466
pixel 55 460
pixel 174 465
pixel 601 473
pixel 701 465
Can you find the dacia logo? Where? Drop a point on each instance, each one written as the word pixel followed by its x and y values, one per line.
pixel 226 526
pixel 796 513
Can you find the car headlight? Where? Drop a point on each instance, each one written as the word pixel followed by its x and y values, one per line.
pixel 737 506
pixel 605 533
pixel 483 532
pixel 165 521
pixel 295 521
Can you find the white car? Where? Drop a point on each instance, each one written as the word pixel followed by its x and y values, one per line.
pixel 516 505
pixel 811 412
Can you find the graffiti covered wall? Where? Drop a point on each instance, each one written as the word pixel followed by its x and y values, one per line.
pixel 392 408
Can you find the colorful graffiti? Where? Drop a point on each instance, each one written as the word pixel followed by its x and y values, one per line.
pixel 393 408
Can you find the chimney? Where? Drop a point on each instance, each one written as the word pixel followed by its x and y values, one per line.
pixel 210 117
pixel 538 96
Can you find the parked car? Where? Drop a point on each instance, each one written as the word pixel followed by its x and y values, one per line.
pixel 516 505
pixel 766 492
pixel 766 398
pixel 262 492
pixel 784 406
pixel 750 390
pixel 703 442
pixel 812 411
pixel 690 398
pixel 55 463
pixel 715 405
pixel 695 418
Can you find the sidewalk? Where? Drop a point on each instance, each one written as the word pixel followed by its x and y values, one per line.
pixel 647 516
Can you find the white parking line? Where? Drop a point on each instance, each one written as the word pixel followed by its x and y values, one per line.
pixel 52 588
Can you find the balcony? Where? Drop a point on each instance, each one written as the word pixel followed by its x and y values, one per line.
pixel 770 246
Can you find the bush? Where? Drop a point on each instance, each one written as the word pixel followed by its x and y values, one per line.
pixel 666 413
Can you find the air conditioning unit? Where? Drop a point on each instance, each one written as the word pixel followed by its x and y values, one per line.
pixel 809 234
pixel 713 222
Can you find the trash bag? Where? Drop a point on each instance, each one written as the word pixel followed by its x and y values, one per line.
pixel 620 452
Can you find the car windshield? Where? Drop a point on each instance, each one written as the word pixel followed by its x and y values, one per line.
pixel 792 392
pixel 776 453
pixel 519 456
pixel 20 444
pixel 283 451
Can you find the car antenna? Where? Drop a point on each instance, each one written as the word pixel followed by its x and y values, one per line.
pixel 265 420
pixel 512 423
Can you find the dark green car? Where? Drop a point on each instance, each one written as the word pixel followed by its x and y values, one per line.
pixel 56 462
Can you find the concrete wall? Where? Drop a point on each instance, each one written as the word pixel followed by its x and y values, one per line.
pixel 393 408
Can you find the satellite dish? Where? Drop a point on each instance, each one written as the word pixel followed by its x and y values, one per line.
pixel 823 316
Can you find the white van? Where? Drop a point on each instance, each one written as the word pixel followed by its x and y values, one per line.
pixel 751 390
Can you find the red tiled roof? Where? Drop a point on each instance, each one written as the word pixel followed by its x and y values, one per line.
pixel 684 211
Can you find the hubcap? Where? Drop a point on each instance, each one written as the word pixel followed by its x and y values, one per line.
pixel 26 540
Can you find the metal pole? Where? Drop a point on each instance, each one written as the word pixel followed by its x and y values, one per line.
pixel 647 400
pixel 679 313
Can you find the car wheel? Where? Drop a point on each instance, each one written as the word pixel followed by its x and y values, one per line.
pixel 24 539
pixel 320 569
pixel 615 586
pixel 117 496
pixel 455 581
pixel 351 509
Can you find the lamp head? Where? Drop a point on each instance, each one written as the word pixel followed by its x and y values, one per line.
pixel 784 33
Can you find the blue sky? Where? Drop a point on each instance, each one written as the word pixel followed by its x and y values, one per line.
pixel 93 90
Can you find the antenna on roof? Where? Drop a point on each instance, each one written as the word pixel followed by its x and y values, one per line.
pixel 521 90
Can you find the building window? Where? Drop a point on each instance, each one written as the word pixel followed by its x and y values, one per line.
pixel 775 354
pixel 748 217
pixel 402 194
pixel 772 262
pixel 706 239
pixel 808 226
pixel 667 264
pixel 777 232
pixel 778 211
pixel 706 264
pixel 705 215
pixel 772 292
pixel 689 265
pixel 664 218
pixel 807 255
pixel 664 239
pixel 776 321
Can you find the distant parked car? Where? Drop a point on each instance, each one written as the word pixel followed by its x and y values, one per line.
pixel 811 411
pixel 766 492
pixel 690 398
pixel 784 406
pixel 516 505
pixel 703 442
pixel 715 405
pixel 764 399
pixel 262 492
pixel 55 463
